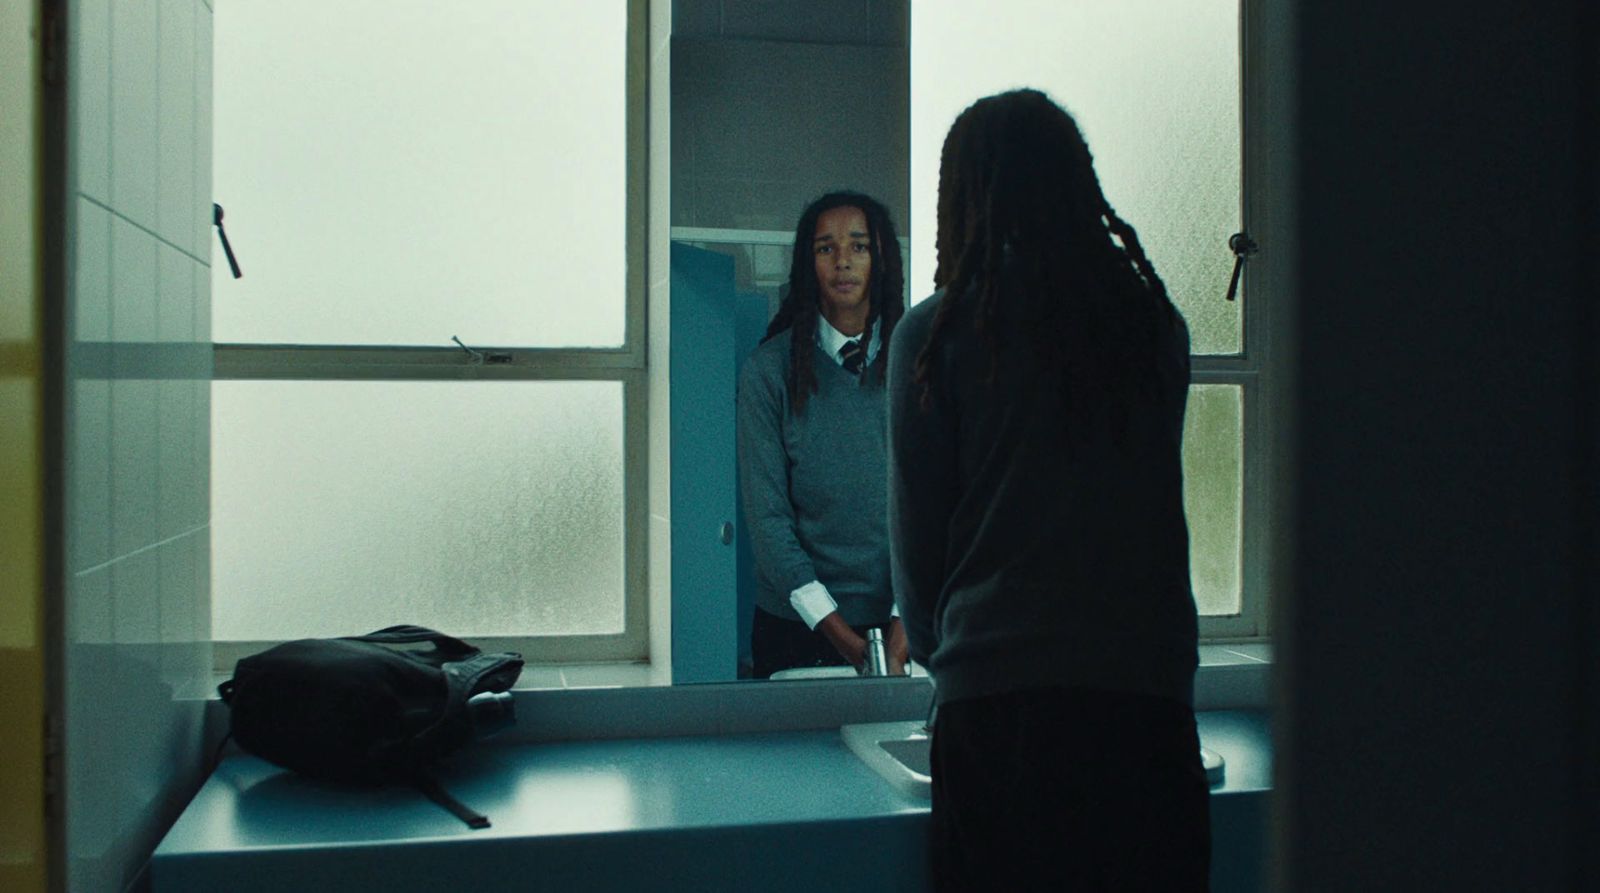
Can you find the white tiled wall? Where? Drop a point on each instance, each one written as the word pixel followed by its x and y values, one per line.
pixel 138 664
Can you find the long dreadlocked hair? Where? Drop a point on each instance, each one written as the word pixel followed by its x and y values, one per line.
pixel 1026 232
pixel 798 312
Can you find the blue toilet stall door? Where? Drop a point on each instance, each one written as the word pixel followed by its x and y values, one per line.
pixel 704 595
pixel 713 329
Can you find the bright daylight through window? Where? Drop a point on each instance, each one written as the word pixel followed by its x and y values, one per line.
pixel 1155 85
pixel 431 377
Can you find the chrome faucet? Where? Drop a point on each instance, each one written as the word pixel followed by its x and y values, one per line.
pixel 877 663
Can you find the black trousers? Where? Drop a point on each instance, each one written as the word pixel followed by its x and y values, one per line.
pixel 777 644
pixel 1069 789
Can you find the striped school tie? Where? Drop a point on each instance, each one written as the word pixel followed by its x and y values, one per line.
pixel 854 355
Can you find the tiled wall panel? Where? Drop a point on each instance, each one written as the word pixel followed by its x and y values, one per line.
pixel 135 44
pixel 138 659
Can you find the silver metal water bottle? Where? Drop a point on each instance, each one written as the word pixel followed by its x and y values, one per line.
pixel 877 657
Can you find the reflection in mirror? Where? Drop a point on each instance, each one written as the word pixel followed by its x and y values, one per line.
pixel 773 105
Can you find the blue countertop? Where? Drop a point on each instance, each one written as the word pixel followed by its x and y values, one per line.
pixel 785 810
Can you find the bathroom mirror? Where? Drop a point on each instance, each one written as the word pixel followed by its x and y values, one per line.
pixel 773 104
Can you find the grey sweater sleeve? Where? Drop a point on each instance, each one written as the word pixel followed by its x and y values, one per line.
pixel 764 476
pixel 923 485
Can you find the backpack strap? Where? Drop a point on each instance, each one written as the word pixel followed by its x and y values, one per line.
pixel 450 647
pixel 430 788
pixel 463 679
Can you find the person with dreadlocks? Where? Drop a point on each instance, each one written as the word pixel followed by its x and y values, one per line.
pixel 810 444
pixel 1039 546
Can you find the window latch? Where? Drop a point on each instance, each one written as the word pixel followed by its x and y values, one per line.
pixel 216 221
pixel 1243 246
pixel 493 357
pixel 476 355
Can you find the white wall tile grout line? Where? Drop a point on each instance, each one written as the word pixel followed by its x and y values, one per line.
pixel 156 545
pixel 204 262
pixel 1245 656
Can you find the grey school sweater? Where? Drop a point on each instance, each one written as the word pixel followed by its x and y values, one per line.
pixel 813 485
pixel 1015 564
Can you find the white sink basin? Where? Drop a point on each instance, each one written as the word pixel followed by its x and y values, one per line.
pixel 899 751
pixel 816 673
pixel 831 673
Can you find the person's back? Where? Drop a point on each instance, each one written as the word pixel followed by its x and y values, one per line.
pixel 1067 556
pixel 1037 537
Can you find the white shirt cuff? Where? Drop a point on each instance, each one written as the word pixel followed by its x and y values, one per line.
pixel 813 603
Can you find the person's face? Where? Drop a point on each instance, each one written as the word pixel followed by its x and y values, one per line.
pixel 844 260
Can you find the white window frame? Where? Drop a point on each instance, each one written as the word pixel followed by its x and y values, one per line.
pixel 625 364
pixel 1255 370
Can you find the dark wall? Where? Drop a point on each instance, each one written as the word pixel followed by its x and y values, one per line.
pixel 1438 625
pixel 831 22
pixel 761 127
pixel 775 102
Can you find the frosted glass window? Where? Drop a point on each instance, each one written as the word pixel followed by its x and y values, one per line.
pixel 1213 494
pixel 398 173
pixel 1154 84
pixel 480 508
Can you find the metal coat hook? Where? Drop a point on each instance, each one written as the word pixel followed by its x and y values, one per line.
pixel 216 221
pixel 1243 246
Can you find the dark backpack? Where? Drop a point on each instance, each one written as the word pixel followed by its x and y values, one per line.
pixel 366 709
